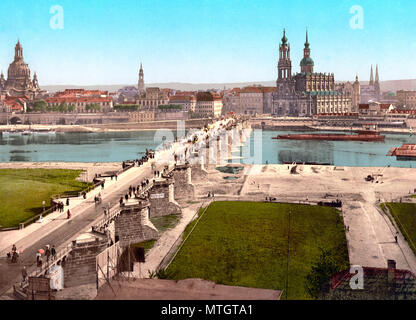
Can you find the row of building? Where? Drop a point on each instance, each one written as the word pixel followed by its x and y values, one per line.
pixel 306 93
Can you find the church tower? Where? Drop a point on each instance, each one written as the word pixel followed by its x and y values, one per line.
pixel 141 80
pixel 284 66
pixel 18 51
pixel 377 85
pixel 371 83
pixel 356 94
pixel 306 64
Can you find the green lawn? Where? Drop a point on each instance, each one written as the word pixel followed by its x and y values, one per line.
pixel 405 216
pixel 245 244
pixel 23 190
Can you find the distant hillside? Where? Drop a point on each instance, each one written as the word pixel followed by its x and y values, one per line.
pixel 389 85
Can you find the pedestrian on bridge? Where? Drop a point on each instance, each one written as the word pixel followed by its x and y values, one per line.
pixel 67 201
pixel 38 259
pixel 53 252
pixel 47 253
pixel 24 274
pixel 121 201
pixel 68 214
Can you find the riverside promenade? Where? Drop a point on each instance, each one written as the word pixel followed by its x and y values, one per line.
pixel 57 230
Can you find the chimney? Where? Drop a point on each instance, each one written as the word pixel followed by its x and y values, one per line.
pixel 391 270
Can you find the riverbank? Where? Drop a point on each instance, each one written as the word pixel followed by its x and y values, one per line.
pixel 90 168
pixel 112 127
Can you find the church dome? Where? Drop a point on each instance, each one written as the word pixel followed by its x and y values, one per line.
pixel 18 69
pixel 306 62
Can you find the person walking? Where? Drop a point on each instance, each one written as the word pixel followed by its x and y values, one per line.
pixel 67 201
pixel 102 185
pixel 24 274
pixel 38 259
pixel 116 176
pixel 47 253
pixel 68 214
pixel 121 201
pixel 53 252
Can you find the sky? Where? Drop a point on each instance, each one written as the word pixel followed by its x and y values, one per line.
pixel 102 42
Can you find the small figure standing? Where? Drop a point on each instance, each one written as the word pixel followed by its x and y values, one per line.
pixel 68 214
pixel 47 252
pixel 24 274
pixel 53 252
pixel 38 259
pixel 67 201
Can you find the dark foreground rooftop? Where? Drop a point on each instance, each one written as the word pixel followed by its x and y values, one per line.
pixel 188 289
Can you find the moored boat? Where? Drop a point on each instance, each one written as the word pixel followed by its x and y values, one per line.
pixel 405 152
pixel 363 135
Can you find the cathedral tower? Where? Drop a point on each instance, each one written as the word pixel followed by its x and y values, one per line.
pixel 377 84
pixel 371 83
pixel 141 80
pixel 284 66
pixel 306 64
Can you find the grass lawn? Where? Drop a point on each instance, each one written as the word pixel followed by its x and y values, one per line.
pixel 405 216
pixel 23 190
pixel 245 244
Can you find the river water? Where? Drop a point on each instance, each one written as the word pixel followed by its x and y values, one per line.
pixel 260 148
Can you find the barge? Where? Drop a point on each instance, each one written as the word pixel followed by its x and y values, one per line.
pixel 405 152
pixel 363 135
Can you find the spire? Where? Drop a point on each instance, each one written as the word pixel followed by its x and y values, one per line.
pixel 307 42
pixel 284 39
pixel 371 77
pixel 377 78
pixel 18 51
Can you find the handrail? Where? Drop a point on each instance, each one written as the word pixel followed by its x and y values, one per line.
pixel 59 254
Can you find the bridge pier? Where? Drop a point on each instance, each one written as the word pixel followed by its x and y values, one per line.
pixel 133 224
pixel 80 265
pixel 162 199
pixel 182 175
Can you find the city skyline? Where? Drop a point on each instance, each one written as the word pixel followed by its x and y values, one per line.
pixel 103 44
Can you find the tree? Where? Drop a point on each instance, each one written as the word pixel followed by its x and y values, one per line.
pixel 318 280
pixel 63 107
pixel 40 105
pixel 93 106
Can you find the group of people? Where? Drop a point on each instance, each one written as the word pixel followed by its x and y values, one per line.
pixel 60 206
pixel 50 254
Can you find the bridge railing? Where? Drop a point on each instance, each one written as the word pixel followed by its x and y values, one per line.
pixel 46 265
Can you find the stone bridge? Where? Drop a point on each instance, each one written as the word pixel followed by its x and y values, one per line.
pixel 129 223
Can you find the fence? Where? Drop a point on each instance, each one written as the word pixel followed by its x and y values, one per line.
pixel 107 264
